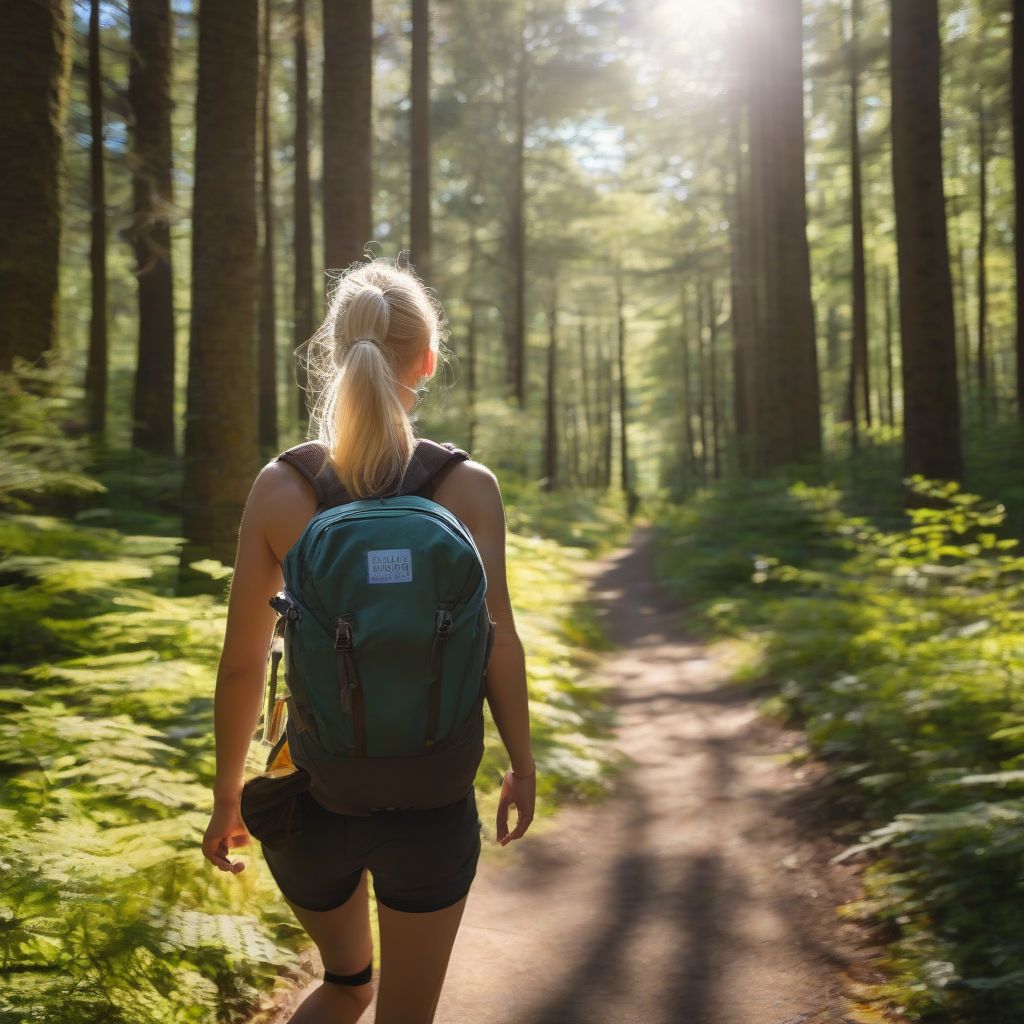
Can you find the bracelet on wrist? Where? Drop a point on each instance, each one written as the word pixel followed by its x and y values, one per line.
pixel 528 775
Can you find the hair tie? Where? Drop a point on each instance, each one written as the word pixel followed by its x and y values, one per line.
pixel 372 341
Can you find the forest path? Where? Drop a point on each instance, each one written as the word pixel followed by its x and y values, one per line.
pixel 700 893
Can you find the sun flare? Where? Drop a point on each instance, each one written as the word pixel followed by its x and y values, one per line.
pixel 702 21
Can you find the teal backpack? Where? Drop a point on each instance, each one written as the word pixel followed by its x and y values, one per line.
pixel 386 639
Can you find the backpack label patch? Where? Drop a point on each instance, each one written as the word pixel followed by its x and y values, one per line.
pixel 389 565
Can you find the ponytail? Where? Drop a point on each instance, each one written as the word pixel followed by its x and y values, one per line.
pixel 372 435
pixel 381 321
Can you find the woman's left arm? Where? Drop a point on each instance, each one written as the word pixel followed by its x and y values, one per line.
pixel 241 674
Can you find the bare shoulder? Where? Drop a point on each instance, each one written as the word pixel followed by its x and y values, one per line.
pixel 281 501
pixel 279 484
pixel 473 476
pixel 471 490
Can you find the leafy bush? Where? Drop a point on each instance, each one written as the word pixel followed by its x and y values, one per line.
pixel 901 651
pixel 40 462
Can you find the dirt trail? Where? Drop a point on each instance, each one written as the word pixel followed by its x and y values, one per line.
pixel 700 893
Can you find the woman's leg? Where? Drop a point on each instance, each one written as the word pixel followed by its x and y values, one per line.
pixel 414 953
pixel 346 946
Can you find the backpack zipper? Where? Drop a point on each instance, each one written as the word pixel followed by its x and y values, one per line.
pixel 444 626
pixel 350 688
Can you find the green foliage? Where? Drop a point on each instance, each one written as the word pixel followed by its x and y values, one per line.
pixel 107 908
pixel 900 650
pixel 40 461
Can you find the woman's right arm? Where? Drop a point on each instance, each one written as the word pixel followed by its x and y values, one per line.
pixel 506 671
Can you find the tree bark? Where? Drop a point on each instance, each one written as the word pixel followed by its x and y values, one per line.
pixel 97 358
pixel 983 156
pixel 267 306
pixel 471 338
pixel 626 477
pixel 302 207
pixel 608 404
pixel 860 302
pixel 702 411
pixel 931 405
pixel 347 130
pixel 588 415
pixel 833 346
pixel 419 216
pixel 890 389
pixel 34 69
pixel 787 401
pixel 551 401
pixel 221 442
pixel 515 317
pixel 570 418
pixel 149 96
pixel 1018 181
pixel 958 271
pixel 689 468
pixel 716 454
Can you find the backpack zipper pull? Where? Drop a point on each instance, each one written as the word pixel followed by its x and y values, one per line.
pixel 443 623
pixel 343 642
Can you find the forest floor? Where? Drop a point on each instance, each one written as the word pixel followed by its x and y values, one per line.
pixel 702 891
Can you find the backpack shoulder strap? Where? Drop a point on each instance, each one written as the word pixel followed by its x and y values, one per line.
pixel 310 459
pixel 428 464
pixel 429 460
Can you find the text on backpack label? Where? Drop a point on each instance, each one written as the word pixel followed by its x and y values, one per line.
pixel 389 565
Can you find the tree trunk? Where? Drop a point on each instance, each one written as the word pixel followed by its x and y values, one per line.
pixel 570 417
pixel 890 378
pixel 471 339
pixel 626 477
pixel 302 207
pixel 849 414
pixel 860 302
pixel 716 455
pixel 833 346
pixel 268 312
pixel 1018 181
pixel 702 412
pixel 419 216
pixel 550 404
pixel 961 320
pixel 347 130
pixel 515 318
pixel 149 96
pixel 97 359
pixel 221 442
pixel 605 379
pixel 931 406
pixel 34 69
pixel 689 468
pixel 588 415
pixel 983 156
pixel 787 403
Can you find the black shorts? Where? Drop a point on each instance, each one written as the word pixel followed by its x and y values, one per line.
pixel 420 860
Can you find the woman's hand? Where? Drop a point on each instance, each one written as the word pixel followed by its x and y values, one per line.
pixel 225 831
pixel 522 793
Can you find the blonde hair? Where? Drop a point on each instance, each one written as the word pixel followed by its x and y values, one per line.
pixel 380 321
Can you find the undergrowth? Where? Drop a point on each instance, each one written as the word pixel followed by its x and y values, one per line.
pixel 108 910
pixel 900 650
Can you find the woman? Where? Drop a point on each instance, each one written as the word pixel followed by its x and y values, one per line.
pixel 379 342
